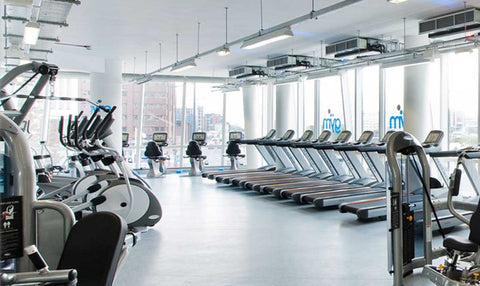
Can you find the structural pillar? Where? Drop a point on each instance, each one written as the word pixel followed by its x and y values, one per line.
pixel 416 100
pixel 107 87
pixel 285 108
pixel 252 112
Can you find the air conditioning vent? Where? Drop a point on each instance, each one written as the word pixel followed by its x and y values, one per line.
pixel 290 62
pixel 451 23
pixel 246 71
pixel 355 47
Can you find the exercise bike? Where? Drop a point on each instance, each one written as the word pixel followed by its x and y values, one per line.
pixel 156 159
pixel 194 152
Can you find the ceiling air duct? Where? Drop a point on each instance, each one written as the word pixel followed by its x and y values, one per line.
pixel 355 47
pixel 457 22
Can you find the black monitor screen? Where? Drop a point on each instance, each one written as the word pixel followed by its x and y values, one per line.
pixel 235 135
pixel 199 136
pixel 159 137
pixel 124 137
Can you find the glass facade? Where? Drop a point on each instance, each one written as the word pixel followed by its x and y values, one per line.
pixel 372 96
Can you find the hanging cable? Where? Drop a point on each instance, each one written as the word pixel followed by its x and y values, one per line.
pixel 427 194
pixel 261 15
pixel 176 35
pixel 226 25
pixel 198 38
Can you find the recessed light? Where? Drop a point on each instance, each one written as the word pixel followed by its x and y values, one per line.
pixel 397 1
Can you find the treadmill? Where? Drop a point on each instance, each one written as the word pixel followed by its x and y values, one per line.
pixel 376 207
pixel 326 168
pixel 342 180
pixel 278 156
pixel 362 191
pixel 315 169
pixel 292 161
pixel 264 152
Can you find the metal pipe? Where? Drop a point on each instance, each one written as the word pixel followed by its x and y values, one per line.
pixel 295 21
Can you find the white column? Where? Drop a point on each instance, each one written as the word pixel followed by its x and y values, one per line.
pixel 107 87
pixel 285 108
pixel 252 111
pixel 416 100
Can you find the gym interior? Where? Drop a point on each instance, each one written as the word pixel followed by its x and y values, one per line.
pixel 255 142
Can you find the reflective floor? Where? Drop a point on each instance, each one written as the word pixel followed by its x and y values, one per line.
pixel 212 234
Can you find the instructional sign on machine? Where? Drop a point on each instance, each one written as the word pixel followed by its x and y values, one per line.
pixel 11 228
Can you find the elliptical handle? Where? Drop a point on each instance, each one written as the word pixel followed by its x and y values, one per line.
pixel 89 123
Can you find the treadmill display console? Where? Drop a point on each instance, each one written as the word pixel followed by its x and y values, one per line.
pixel 160 137
pixel 344 136
pixel 365 137
pixel 270 134
pixel 386 136
pixel 324 136
pixel 199 136
pixel 124 137
pixel 434 137
pixel 288 135
pixel 235 135
pixel 306 135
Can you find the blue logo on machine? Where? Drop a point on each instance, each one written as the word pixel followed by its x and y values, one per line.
pixel 95 108
pixel 396 121
pixel 332 123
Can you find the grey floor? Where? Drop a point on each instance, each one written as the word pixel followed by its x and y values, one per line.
pixel 212 234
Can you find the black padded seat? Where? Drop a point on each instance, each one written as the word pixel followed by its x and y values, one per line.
pixel 460 244
pixel 193 150
pixel 93 248
pixel 233 149
pixel 153 151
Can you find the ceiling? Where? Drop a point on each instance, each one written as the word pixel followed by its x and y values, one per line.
pixel 124 30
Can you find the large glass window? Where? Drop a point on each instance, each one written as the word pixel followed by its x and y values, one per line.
pixel 64 87
pixel 370 99
pixel 309 104
pixel 131 108
pixel 463 99
pixel 331 104
pixel 161 109
pixel 394 98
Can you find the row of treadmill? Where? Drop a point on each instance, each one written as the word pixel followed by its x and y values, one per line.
pixel 350 175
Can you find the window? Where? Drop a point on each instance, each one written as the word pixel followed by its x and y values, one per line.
pixel 131 122
pixel 394 98
pixel 463 99
pixel 309 104
pixel 331 105
pixel 370 99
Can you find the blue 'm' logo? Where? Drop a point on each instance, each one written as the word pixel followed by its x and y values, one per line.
pixel 396 121
pixel 332 123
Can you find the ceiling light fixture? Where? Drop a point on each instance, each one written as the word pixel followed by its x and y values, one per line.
pixel 265 38
pixel 225 51
pixel 30 33
pixel 178 67
pixel 268 38
pixel 409 60
pixel 397 1
pixel 181 66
